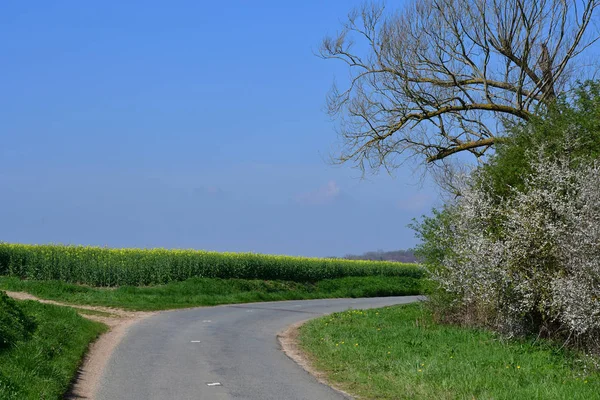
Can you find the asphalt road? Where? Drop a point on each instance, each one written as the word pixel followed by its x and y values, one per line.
pixel 182 355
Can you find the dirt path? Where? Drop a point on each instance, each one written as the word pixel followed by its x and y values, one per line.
pixel 119 321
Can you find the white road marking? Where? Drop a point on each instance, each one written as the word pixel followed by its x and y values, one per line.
pixel 213 384
pixel 195 341
pixel 207 320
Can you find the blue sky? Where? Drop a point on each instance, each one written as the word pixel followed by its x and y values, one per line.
pixel 185 124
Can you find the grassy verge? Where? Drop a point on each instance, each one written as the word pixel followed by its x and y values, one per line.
pixel 42 364
pixel 399 353
pixel 213 291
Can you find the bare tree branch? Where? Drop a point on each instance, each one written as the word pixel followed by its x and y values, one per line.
pixel 435 78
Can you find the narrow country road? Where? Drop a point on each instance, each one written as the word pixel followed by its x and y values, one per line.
pixel 224 352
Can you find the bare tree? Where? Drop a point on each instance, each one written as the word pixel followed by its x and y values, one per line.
pixel 444 76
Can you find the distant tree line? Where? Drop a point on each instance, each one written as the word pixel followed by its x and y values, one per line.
pixel 406 256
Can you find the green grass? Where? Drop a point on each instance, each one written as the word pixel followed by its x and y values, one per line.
pixel 94 312
pixel 42 365
pixel 399 353
pixel 214 291
pixel 15 325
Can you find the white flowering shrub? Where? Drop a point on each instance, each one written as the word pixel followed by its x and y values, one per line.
pixel 528 262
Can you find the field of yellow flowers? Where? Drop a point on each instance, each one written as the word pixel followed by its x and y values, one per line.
pixel 97 266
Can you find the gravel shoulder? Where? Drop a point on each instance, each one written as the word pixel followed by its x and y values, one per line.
pixel 288 340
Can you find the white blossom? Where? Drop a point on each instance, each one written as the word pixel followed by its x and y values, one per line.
pixel 532 256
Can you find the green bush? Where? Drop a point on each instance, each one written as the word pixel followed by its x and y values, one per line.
pixel 14 324
pixel 571 127
pixel 137 267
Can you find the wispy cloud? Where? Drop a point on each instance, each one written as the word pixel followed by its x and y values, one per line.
pixel 210 192
pixel 326 194
pixel 415 202
pixel 213 190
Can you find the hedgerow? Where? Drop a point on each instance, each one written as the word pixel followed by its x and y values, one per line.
pixel 519 249
pixel 98 266
pixel 528 263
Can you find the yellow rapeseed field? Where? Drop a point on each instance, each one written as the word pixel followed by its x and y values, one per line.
pixel 99 266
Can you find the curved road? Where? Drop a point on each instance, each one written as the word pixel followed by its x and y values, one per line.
pixel 182 355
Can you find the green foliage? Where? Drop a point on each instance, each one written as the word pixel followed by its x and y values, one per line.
pixel 15 326
pixel 400 352
pixel 435 244
pixel 118 267
pixel 570 126
pixel 43 365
